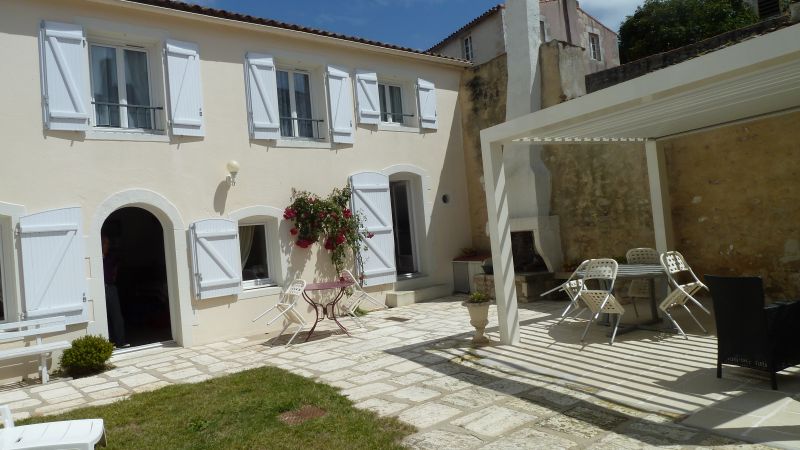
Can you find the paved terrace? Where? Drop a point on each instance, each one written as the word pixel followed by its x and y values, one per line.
pixel 415 363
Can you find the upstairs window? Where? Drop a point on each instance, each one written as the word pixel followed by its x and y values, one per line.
pixel 253 249
pixel 391 101
pixel 294 105
pixel 594 46
pixel 468 53
pixel 121 91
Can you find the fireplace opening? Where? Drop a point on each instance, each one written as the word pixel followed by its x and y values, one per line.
pixel 523 251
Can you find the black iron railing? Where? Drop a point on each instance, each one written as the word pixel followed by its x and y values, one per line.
pixel 301 128
pixel 143 117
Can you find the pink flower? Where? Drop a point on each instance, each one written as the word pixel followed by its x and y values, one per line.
pixel 293 231
pixel 370 235
pixel 303 243
pixel 329 244
pixel 340 239
pixel 289 213
pixel 347 213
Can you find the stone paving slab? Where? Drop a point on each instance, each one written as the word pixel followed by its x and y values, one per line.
pixel 648 390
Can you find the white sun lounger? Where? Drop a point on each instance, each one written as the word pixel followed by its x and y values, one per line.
pixel 68 434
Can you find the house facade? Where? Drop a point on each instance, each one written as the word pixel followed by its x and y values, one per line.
pixel 177 133
pixel 486 37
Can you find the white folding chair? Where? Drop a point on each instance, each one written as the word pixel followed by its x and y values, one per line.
pixel 68 434
pixel 640 288
pixel 351 304
pixel 682 292
pixel 600 299
pixel 571 287
pixel 287 307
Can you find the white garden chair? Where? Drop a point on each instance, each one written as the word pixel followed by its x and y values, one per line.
pixel 287 307
pixel 601 299
pixel 639 288
pixel 69 434
pixel 571 287
pixel 350 304
pixel 682 292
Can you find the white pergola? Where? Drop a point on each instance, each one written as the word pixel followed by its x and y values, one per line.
pixel 750 80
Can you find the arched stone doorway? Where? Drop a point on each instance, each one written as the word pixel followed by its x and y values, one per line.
pixel 135 278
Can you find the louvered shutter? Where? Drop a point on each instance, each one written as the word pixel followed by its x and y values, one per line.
pixel 426 92
pixel 262 97
pixel 372 199
pixel 340 100
pixel 53 275
pixel 216 258
pixel 185 91
pixel 65 76
pixel 369 109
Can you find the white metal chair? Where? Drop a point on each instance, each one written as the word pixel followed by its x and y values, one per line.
pixel 69 434
pixel 571 287
pixel 601 299
pixel 640 288
pixel 675 265
pixel 350 304
pixel 287 306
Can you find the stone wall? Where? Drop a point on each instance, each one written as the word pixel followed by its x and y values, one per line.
pixel 602 198
pixel 735 196
pixel 483 104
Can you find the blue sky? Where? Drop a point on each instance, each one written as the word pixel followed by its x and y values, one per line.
pixel 411 23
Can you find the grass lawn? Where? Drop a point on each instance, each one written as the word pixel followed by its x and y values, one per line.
pixel 240 411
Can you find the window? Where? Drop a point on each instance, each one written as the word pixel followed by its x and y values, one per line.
pixel 594 46
pixel 468 53
pixel 542 36
pixel 294 105
pixel 253 249
pixel 403 224
pixel 391 101
pixel 121 91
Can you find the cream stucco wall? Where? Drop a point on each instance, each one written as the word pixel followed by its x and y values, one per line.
pixel 488 40
pixel 184 180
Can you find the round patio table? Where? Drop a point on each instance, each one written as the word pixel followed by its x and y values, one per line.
pixel 328 308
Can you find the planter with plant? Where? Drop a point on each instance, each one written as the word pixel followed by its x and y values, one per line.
pixel 330 222
pixel 478 306
pixel 88 355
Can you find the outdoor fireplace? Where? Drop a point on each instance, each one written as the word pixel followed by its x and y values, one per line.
pixel 523 251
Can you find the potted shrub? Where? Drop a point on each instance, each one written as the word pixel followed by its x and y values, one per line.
pixel 478 306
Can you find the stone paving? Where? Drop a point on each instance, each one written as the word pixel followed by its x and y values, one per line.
pixel 416 363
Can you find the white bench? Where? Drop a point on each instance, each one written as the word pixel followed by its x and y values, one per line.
pixel 39 327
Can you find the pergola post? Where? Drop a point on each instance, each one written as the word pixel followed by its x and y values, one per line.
pixel 500 236
pixel 659 196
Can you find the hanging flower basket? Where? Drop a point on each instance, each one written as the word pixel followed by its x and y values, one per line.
pixel 329 222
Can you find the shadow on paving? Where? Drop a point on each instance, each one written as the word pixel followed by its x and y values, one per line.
pixel 564 404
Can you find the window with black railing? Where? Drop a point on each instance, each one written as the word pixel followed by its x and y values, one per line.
pixel 121 89
pixel 295 107
pixel 391 103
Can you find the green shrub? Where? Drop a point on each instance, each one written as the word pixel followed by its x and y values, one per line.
pixel 87 355
pixel 478 297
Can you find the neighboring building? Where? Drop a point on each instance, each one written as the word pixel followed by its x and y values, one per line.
pixel 485 37
pixel 125 114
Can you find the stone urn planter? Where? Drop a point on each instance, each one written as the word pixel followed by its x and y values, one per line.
pixel 478 307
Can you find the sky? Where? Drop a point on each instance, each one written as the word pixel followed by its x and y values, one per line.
pixel 417 24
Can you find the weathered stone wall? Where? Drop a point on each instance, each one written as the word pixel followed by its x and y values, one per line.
pixel 601 196
pixel 735 196
pixel 483 104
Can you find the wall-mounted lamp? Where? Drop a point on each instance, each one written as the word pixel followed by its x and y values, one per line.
pixel 233 170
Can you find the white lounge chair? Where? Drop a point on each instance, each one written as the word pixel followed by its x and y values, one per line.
pixel 68 434
pixel 676 267
pixel 601 299
pixel 287 307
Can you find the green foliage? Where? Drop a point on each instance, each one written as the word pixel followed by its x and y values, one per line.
pixel 240 411
pixel 328 221
pixel 87 355
pixel 478 297
pixel 661 25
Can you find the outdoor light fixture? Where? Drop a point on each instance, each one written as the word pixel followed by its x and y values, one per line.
pixel 233 170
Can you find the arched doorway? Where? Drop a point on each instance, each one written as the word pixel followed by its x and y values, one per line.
pixel 134 266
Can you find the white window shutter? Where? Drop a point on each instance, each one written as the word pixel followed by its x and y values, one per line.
pixel 262 97
pixel 65 76
pixel 53 275
pixel 426 92
pixel 369 108
pixel 372 199
pixel 217 258
pixel 185 91
pixel 340 100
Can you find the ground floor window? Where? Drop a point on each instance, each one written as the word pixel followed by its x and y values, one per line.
pixel 405 249
pixel 255 265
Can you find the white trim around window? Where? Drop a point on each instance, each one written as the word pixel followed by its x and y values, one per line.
pixel 595 49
